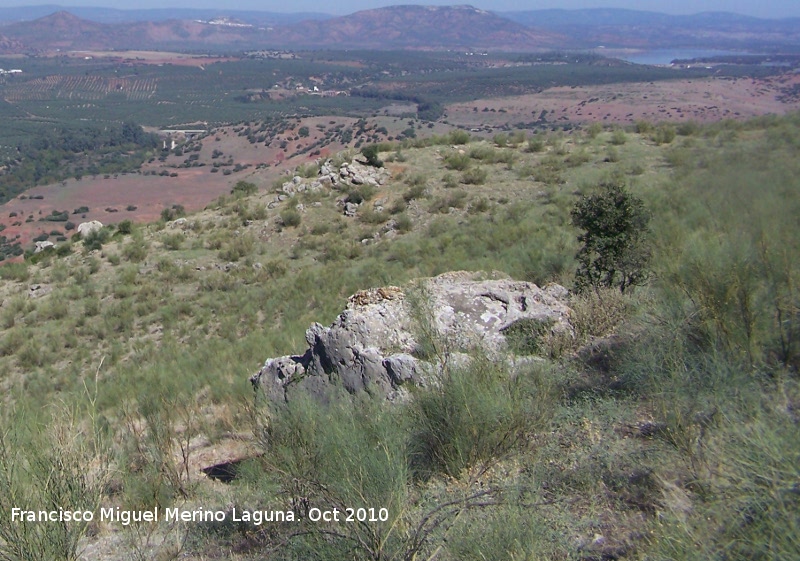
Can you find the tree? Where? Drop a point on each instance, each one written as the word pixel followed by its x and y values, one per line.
pixel 615 250
pixel 370 153
pixel 244 188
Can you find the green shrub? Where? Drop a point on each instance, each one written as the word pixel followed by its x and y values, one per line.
pixel 458 137
pixel 44 466
pixel 474 176
pixel 548 175
pixel 416 192
pixel 594 129
pixel 173 242
pixel 360 193
pixel 500 140
pixel 614 252
pixel 416 180
pixel 456 199
pixel 244 189
pixel 320 229
pixel 484 153
pixel 370 154
pixel 689 128
pixel 403 222
pixel 156 440
pixel 95 239
pixel 664 134
pixel 64 249
pixel 290 218
pixel 473 417
pixel 341 454
pixel 173 212
pixel 618 137
pixel 369 215
pixel 456 161
pixel 479 205
pixel 749 510
pixel 535 145
pixel 578 158
pixel 136 249
pixel 125 227
pixel 15 271
pixel 449 181
pixel 239 247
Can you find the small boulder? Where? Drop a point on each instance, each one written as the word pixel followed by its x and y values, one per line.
pixel 41 246
pixel 86 228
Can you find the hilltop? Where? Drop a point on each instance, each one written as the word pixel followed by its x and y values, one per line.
pixel 398 27
pixel 634 433
pixel 419 27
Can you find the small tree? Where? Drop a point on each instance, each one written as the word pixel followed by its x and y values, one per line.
pixel 244 188
pixel 370 153
pixel 614 238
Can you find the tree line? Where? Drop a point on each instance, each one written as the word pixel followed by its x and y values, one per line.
pixel 65 152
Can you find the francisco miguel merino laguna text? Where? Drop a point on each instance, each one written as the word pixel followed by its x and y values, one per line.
pixel 126 517
pixel 255 517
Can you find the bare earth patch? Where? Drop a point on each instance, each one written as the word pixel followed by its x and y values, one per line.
pixel 148 57
pixel 704 100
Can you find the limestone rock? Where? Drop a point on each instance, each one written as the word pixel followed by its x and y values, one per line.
pixel 349 173
pixel 371 345
pixel 350 209
pixel 86 228
pixel 41 246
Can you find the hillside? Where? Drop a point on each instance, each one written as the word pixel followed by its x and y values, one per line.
pixel 65 31
pixel 399 27
pixel 394 27
pixel 644 430
pixel 418 27
pixel 113 15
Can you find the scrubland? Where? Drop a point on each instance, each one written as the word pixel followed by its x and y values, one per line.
pixel 667 429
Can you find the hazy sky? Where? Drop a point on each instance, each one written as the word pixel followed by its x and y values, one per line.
pixel 760 8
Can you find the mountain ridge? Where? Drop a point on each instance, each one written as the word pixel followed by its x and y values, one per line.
pixel 393 27
pixel 396 27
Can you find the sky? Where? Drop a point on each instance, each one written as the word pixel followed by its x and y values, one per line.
pixel 758 8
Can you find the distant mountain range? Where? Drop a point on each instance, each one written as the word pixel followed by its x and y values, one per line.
pixel 113 15
pixel 640 29
pixel 42 28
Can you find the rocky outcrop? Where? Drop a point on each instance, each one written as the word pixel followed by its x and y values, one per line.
pixel 86 228
pixel 330 176
pixel 375 343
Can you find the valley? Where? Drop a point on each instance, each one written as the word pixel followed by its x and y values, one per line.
pixel 296 286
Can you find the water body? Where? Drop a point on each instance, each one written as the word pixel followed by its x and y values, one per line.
pixel 665 56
